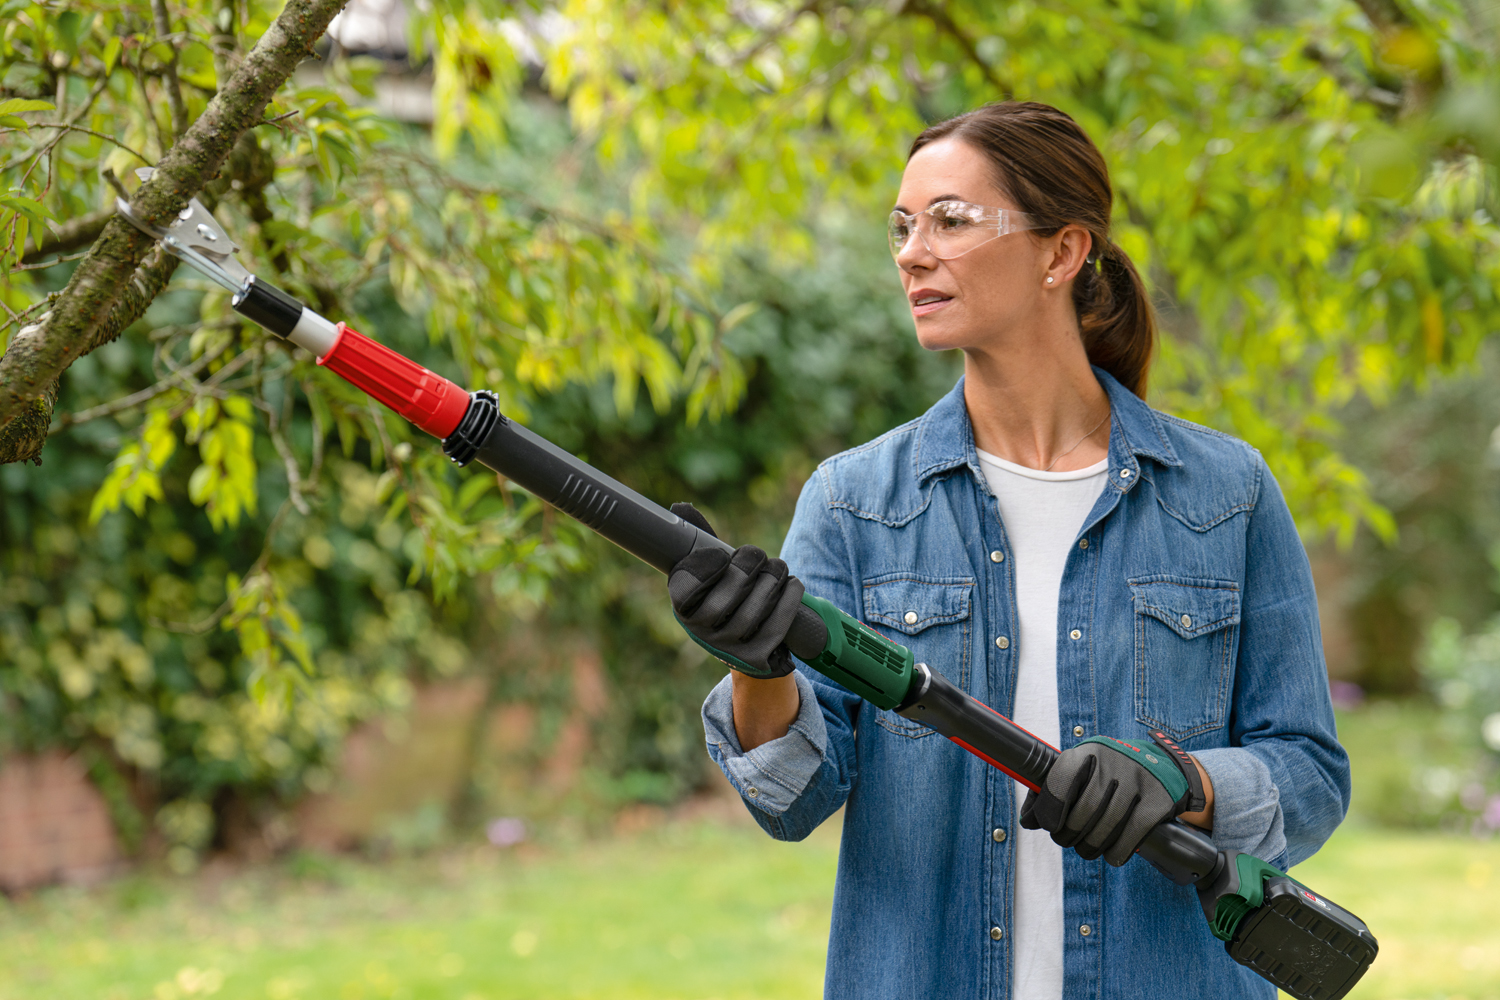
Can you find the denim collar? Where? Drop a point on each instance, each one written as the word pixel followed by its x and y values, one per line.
pixel 945 438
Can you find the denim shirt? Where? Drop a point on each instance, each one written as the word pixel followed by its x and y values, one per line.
pixel 1187 604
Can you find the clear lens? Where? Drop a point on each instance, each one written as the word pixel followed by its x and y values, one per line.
pixel 898 231
pixel 951 229
pixel 956 227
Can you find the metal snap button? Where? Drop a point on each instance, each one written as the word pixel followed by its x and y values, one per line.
pixel 1083 543
pixel 1002 642
pixel 753 792
pixel 1075 634
pixel 911 618
pixel 996 933
pixel 997 556
pixel 998 835
pixel 1187 622
pixel 1077 730
pixel 1124 473
pixel 1085 930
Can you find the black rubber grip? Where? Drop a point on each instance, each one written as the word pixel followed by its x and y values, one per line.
pixel 267 305
pixel 644 529
pixel 808 636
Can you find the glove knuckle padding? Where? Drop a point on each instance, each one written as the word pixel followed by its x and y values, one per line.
pixel 1103 800
pixel 738 606
pixel 694 576
pixel 757 606
pixel 726 597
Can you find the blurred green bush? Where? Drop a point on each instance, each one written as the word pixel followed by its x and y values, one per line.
pixel 1433 762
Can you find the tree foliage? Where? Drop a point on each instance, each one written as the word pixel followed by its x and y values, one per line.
pixel 655 280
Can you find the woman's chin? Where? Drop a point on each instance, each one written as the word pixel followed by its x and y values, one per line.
pixel 936 337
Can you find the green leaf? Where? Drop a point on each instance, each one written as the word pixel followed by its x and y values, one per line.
pixel 21 105
pixel 33 210
pixel 112 53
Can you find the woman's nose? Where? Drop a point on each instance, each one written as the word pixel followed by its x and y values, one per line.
pixel 914 254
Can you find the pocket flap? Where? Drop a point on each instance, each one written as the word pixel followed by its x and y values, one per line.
pixel 910 603
pixel 1189 607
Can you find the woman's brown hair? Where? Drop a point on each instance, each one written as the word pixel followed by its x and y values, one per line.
pixel 1051 169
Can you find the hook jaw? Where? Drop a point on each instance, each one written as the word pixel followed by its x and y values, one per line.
pixel 194 237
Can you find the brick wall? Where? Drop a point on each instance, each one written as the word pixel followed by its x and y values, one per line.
pixel 54 825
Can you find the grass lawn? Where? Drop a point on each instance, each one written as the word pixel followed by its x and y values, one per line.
pixel 685 911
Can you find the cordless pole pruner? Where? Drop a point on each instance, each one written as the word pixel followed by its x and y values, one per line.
pixel 1268 921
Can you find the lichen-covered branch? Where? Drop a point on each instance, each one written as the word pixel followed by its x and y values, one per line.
pixel 22 439
pixel 82 316
pixel 248 170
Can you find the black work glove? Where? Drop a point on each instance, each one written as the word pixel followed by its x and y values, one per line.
pixel 1104 795
pixel 737 607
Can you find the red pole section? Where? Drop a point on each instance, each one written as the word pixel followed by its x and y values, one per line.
pixel 426 399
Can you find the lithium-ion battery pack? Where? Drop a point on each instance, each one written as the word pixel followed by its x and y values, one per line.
pixel 1307 946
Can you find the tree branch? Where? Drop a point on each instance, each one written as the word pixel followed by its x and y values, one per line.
pixel 105 279
pixel 169 71
pixel 72 235
pixel 938 15
pixel 247 164
pixel 22 439
pixel 178 378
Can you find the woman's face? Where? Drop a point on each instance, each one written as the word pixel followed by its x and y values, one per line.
pixel 994 289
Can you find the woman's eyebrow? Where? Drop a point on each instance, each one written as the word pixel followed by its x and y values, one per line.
pixel 934 201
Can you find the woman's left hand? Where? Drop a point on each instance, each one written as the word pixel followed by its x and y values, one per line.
pixel 1103 796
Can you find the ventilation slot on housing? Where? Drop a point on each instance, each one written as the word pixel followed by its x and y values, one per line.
pixel 874 647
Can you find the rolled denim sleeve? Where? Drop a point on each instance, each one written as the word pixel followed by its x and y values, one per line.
pixel 1283 715
pixel 804 777
pixel 1247 806
pixel 772 776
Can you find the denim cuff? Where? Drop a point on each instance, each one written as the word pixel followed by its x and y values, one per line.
pixel 772 776
pixel 1247 806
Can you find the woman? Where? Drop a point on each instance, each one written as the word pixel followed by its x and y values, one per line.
pixel 1082 563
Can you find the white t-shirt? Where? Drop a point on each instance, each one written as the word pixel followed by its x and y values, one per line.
pixel 1042 512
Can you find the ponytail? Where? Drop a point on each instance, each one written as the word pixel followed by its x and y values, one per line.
pixel 1115 316
pixel 1051 169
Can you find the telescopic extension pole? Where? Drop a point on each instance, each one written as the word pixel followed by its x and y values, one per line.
pixel 1269 922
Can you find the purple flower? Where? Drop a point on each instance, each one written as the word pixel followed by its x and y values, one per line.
pixel 1346 694
pixel 507 831
pixel 1491 817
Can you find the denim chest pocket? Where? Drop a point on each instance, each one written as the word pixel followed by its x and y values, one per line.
pixel 931 615
pixel 1186 631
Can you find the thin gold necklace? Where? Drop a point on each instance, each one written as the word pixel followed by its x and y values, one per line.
pixel 1080 441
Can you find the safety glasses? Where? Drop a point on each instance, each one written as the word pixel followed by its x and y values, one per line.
pixel 951 229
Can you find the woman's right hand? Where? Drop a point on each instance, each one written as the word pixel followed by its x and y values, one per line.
pixel 739 607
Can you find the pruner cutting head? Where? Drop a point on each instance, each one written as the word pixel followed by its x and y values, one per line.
pixel 196 238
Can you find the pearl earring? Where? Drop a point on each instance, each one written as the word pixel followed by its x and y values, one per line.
pixel 1049 279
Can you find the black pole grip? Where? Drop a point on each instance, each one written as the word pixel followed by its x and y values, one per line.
pixel 645 529
pixel 640 527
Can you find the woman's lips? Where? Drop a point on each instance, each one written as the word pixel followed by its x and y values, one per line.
pixel 928 308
